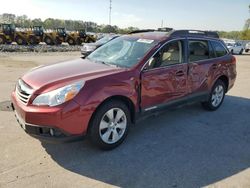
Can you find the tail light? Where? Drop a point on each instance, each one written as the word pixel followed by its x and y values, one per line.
pixel 233 60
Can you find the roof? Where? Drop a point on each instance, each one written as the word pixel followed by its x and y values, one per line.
pixel 160 35
pixel 156 35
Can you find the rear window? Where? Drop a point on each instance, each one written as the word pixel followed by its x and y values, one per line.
pixel 218 49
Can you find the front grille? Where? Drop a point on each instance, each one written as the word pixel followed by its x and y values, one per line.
pixel 23 91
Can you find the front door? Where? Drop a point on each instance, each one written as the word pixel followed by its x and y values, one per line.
pixel 164 78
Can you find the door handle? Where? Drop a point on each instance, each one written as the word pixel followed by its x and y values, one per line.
pixel 179 73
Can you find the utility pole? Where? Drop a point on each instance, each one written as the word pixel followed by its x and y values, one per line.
pixel 110 7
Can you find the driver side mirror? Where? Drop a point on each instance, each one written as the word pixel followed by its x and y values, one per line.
pixel 150 64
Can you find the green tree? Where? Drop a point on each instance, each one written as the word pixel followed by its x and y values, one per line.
pixel 7 18
pixel 109 29
pixel 37 22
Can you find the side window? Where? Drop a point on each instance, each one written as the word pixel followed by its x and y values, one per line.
pixel 170 54
pixel 198 50
pixel 218 48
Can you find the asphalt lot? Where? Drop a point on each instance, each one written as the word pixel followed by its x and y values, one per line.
pixel 185 147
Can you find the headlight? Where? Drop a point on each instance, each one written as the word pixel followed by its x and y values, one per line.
pixel 59 96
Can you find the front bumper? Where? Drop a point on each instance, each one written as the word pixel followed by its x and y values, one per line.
pixel 63 123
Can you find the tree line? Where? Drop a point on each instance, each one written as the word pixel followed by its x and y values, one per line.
pixel 71 25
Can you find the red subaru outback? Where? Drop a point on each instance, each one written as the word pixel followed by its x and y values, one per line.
pixel 133 75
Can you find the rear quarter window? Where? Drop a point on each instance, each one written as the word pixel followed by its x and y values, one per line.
pixel 218 48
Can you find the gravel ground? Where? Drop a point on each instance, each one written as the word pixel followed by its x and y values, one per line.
pixel 39 48
pixel 185 147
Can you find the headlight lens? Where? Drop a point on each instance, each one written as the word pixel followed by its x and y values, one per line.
pixel 59 96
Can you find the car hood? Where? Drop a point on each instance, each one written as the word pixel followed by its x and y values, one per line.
pixel 69 71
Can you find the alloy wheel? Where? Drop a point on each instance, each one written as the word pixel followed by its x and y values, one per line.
pixel 112 125
pixel 217 95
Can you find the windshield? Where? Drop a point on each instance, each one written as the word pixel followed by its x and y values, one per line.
pixel 122 51
pixel 104 40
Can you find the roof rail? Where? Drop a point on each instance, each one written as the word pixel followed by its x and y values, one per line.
pixel 165 29
pixel 141 31
pixel 193 33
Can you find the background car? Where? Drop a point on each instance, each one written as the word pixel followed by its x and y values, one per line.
pixel 235 48
pixel 87 48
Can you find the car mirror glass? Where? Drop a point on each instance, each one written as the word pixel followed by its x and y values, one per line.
pixel 149 64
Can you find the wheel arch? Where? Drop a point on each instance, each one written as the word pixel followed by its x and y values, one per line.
pixel 225 79
pixel 127 101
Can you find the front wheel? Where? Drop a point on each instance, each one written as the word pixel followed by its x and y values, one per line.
pixel 216 96
pixel 71 41
pixel 20 40
pixel 110 124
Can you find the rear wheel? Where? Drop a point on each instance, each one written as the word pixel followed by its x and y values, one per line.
pixel 110 124
pixel 216 96
pixel 33 40
pixel 2 40
pixel 71 41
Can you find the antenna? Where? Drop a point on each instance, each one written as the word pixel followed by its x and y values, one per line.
pixel 110 7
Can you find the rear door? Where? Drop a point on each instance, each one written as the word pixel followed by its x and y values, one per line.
pixel 165 76
pixel 201 65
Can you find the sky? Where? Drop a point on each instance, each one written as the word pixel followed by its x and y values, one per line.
pixel 224 15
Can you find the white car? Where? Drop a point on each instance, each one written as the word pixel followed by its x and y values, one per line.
pixel 235 48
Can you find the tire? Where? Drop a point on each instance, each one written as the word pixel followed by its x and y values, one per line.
pixel 241 51
pixel 33 40
pixel 216 96
pixel 71 41
pixel 247 50
pixel 232 51
pixel 20 41
pixel 2 40
pixel 48 41
pixel 104 125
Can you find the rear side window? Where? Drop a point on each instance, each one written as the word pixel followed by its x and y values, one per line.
pixel 198 50
pixel 218 49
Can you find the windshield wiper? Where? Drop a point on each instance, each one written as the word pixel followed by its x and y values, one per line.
pixel 109 64
pixel 103 62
